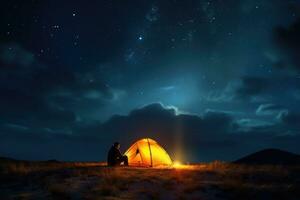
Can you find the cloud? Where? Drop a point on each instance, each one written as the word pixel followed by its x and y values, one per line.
pixel 212 135
pixel 291 119
pixel 168 88
pixel 254 89
pixel 270 109
pixel 42 95
pixel 153 14
pixel 259 89
pixel 155 121
pixel 24 93
pixel 251 86
pixel 164 121
pixel 225 95
pixel 13 54
pixel 254 125
pixel 209 135
pixel 288 41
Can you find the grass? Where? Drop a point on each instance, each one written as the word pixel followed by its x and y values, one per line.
pixel 26 167
pixel 216 180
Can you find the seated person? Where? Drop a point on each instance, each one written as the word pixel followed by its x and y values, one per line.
pixel 114 157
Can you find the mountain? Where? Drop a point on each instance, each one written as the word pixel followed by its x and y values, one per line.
pixel 270 157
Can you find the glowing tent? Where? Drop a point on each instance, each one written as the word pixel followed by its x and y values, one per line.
pixel 147 153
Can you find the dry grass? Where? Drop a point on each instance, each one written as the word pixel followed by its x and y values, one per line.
pixel 25 167
pixel 216 180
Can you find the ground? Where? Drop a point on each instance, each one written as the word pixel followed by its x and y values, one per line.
pixel 216 180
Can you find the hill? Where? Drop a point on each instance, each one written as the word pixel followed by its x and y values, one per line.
pixel 270 157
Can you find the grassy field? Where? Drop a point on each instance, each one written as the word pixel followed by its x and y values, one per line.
pixel 216 180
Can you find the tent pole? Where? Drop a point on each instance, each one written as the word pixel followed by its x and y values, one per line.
pixel 150 151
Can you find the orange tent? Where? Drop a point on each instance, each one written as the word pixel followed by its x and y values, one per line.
pixel 147 153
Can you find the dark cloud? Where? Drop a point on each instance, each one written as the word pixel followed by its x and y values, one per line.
pixel 263 90
pixel 46 95
pixel 288 40
pixel 164 122
pixel 291 119
pixel 24 88
pixel 213 135
pixel 251 86
pixel 13 54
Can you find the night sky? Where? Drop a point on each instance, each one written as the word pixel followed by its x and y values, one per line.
pixel 207 79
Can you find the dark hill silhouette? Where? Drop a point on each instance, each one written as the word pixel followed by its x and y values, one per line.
pixel 6 159
pixel 270 157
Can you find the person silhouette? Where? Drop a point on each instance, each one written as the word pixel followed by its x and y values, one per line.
pixel 114 156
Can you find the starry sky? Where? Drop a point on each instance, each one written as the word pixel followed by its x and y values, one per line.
pixel 207 79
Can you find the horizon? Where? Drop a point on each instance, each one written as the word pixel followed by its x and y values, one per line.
pixel 175 162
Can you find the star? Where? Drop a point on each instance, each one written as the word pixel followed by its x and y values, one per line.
pixel 140 38
pixel 212 19
pixel 55 26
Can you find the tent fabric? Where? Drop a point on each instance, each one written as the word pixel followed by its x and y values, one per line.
pixel 147 153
